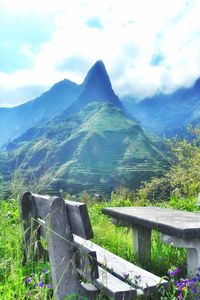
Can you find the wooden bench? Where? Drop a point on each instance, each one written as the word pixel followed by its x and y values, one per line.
pixel 66 228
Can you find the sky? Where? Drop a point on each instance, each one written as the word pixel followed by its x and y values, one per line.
pixel 147 46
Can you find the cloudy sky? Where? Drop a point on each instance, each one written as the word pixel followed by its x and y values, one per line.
pixel 148 46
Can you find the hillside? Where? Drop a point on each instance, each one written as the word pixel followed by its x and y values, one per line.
pixel 168 114
pixel 97 149
pixel 92 145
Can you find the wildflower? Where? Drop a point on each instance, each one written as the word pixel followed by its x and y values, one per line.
pixel 44 271
pixel 41 284
pixel 125 275
pixel 192 281
pixel 179 296
pixel 28 279
pixel 194 290
pixel 48 285
pixel 175 272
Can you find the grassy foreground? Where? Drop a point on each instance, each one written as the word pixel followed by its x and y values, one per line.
pixel 32 281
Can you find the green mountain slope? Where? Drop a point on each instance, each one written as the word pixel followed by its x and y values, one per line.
pixel 96 150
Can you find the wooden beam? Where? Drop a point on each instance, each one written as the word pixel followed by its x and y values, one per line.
pixel 32 245
pixel 87 265
pixel 144 281
pixel 62 252
pixel 114 287
pixel 79 219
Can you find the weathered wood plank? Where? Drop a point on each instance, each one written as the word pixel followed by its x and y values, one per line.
pixel 79 219
pixel 62 252
pixel 32 245
pixel 42 204
pixel 144 281
pixel 114 287
pixel 86 259
pixel 87 265
pixel 77 212
pixel 89 290
pixel 142 243
pixel 192 247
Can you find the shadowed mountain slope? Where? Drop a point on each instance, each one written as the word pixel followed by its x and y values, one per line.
pixel 168 115
pixel 14 121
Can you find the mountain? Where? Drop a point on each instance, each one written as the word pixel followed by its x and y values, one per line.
pixel 14 121
pixel 168 115
pixel 91 145
pixel 96 87
pixel 96 150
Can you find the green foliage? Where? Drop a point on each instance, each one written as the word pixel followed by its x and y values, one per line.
pixel 13 272
pixel 14 275
pixel 183 178
pixel 181 288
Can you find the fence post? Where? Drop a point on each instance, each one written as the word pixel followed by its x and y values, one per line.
pixel 62 252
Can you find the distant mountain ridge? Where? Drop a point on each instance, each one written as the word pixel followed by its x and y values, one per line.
pixel 14 121
pixel 168 115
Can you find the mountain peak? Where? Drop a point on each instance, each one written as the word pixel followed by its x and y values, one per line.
pixel 97 86
pixel 97 72
pixel 197 83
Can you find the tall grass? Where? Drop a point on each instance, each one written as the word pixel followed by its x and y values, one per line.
pixel 19 280
pixel 13 272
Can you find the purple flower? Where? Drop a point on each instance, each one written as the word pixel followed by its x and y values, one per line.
pixel 44 271
pixel 41 284
pixel 179 297
pixel 192 281
pixel 175 272
pixel 28 279
pixel 194 290
pixel 125 275
pixel 48 285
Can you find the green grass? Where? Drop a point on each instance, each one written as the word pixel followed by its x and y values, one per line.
pixel 13 272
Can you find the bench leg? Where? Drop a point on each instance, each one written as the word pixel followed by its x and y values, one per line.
pixel 142 243
pixel 193 251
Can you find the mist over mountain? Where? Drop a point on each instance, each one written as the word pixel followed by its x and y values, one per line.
pixel 168 115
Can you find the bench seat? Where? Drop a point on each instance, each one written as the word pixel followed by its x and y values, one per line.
pixel 143 281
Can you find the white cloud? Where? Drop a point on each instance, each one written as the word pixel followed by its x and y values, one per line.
pixel 132 32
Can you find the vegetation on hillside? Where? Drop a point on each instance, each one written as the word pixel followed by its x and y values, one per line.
pixel 96 150
pixel 178 189
pixel 183 178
